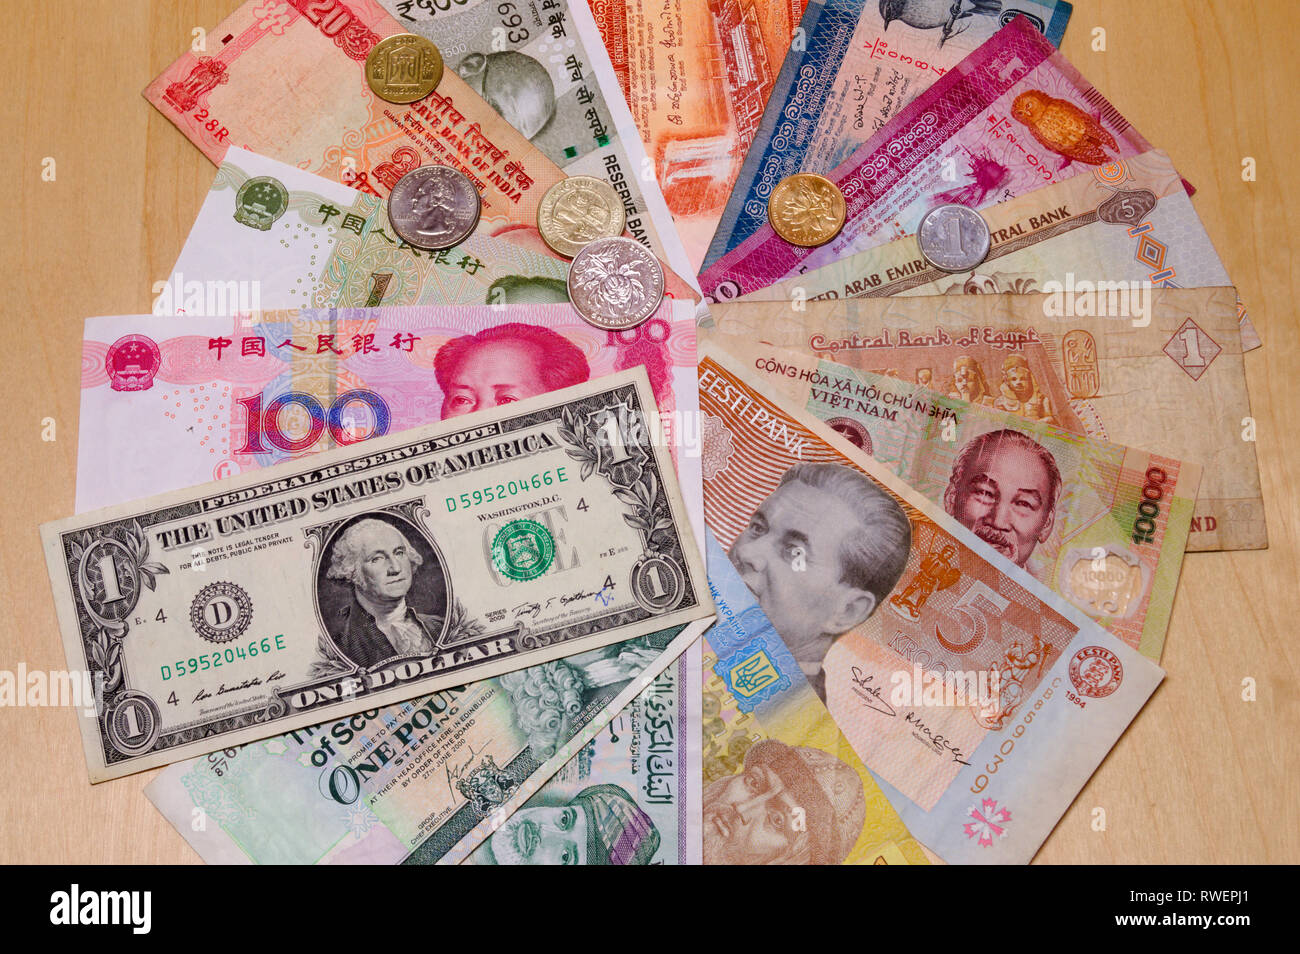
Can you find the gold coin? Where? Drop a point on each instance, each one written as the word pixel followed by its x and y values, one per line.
pixel 578 210
pixel 403 68
pixel 806 209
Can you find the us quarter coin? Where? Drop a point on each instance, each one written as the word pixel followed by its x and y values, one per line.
pixel 403 68
pixel 615 283
pixel 953 238
pixel 806 209
pixel 434 207
pixel 578 210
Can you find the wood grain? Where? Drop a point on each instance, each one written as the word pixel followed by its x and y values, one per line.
pixel 1201 777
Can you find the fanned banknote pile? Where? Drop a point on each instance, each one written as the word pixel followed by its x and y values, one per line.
pixel 707 431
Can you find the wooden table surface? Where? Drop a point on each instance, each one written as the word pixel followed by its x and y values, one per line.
pixel 1201 776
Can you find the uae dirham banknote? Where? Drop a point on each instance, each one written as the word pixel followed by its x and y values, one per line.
pixel 1102 525
pixel 1159 369
pixel 849 68
pixel 1125 225
pixel 979 699
pixel 342 582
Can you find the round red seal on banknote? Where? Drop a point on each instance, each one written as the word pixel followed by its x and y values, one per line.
pixel 1096 672
pixel 132 362
pixel 854 431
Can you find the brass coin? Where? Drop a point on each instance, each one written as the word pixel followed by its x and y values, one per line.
pixel 578 210
pixel 806 209
pixel 403 68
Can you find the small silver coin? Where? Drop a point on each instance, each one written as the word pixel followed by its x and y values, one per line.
pixel 434 207
pixel 615 283
pixel 953 238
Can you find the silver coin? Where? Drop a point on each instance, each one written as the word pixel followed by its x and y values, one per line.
pixel 615 283
pixel 434 207
pixel 953 238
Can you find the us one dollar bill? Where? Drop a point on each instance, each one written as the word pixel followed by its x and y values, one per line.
pixel 366 575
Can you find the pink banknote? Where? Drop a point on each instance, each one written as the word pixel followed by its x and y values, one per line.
pixel 199 399
pixel 1012 117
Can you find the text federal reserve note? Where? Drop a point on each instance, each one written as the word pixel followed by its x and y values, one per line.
pixel 981 698
pixel 364 575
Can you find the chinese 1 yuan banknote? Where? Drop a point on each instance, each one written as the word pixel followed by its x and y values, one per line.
pixel 981 700
pixel 339 582
pixel 1160 369
pixel 327 245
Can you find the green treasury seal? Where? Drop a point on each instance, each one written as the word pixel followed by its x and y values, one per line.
pixel 523 550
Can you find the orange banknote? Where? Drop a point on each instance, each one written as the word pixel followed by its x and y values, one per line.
pixel 697 74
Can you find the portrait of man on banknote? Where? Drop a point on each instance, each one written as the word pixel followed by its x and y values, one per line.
pixel 375 578
pixel 820 554
pixel 787 805
pixel 601 825
pixel 1004 487
pixel 504 364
